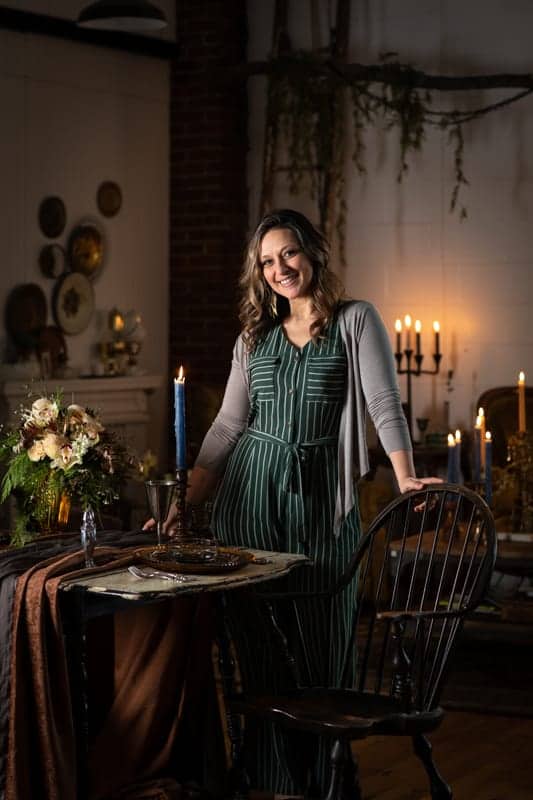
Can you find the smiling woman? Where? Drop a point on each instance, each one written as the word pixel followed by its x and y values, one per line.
pixel 286 445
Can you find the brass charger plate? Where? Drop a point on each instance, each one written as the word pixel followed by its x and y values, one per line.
pixel 86 250
pixel 227 559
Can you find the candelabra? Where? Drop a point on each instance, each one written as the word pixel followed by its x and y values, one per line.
pixel 181 534
pixel 413 363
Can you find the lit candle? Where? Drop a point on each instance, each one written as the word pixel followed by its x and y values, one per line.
pixel 179 420
pixel 488 467
pixel 398 328
pixel 418 328
pixel 436 328
pixel 451 458
pixel 521 403
pixel 457 471
pixel 407 321
pixel 481 417
pixel 477 450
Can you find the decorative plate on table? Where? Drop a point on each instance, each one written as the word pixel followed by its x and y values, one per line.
pixel 227 559
pixel 73 302
pixel 86 250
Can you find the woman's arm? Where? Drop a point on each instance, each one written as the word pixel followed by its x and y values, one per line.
pixel 405 473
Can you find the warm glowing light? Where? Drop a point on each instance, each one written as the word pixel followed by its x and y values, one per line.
pixel 481 414
pixel 408 321
pixel 458 436
pixel 478 422
pixel 488 436
pixel 181 376
pixel 451 440
pixel 398 326
pixel 418 326
pixel 436 326
pixel 521 378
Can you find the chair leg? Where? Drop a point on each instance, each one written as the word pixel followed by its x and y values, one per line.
pixel 344 783
pixel 438 786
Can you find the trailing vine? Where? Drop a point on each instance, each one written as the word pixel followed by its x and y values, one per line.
pixel 313 130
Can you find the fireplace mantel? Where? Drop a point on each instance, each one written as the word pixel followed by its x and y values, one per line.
pixel 123 403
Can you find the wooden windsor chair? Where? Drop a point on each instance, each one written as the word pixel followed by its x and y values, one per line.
pixel 424 564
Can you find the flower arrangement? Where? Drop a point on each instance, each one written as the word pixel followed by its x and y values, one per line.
pixel 56 452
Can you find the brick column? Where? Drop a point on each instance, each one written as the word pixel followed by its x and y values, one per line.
pixel 208 199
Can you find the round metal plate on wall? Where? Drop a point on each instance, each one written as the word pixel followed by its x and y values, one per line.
pixel 52 260
pixel 52 217
pixel 86 250
pixel 25 316
pixel 73 302
pixel 109 198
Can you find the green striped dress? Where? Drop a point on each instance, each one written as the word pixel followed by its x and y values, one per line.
pixel 278 493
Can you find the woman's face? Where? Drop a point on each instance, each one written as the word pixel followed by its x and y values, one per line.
pixel 286 268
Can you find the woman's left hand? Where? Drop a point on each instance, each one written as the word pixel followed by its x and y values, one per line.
pixel 410 483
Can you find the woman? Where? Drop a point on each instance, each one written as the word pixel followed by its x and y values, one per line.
pixel 289 440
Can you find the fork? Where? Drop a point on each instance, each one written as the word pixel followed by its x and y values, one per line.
pixel 145 572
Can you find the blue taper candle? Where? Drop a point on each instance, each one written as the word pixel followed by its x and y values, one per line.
pixel 179 420
pixel 451 459
pixel 488 468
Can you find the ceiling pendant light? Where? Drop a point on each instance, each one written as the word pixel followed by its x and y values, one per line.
pixel 122 15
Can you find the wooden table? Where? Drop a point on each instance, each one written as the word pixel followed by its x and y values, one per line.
pixel 90 596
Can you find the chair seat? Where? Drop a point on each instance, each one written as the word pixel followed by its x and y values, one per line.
pixel 340 713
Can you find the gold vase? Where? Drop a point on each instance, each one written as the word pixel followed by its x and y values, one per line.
pixel 52 510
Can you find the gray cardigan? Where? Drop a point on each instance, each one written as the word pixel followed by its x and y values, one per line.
pixel 371 385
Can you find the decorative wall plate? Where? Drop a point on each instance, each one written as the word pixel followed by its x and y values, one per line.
pixel 52 260
pixel 86 250
pixel 73 302
pixel 52 217
pixel 25 316
pixel 109 198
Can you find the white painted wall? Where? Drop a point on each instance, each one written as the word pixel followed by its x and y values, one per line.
pixel 406 252
pixel 74 115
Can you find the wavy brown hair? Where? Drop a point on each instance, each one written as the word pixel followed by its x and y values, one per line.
pixel 260 308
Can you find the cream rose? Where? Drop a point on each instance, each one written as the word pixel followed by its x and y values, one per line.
pixel 43 412
pixel 52 445
pixel 36 451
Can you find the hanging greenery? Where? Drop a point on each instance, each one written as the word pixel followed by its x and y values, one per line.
pixel 313 132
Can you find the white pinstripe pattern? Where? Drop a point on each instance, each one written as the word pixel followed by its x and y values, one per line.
pixel 296 398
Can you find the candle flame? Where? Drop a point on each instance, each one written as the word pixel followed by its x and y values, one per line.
pixel 398 326
pixel 458 436
pixel 436 326
pixel 488 436
pixel 407 320
pixel 478 421
pixel 181 376
pixel 418 326
pixel 521 377
pixel 451 440
pixel 481 413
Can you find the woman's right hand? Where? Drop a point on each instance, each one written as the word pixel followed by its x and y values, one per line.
pixel 169 524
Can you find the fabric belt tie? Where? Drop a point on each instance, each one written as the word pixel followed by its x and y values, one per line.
pixel 295 455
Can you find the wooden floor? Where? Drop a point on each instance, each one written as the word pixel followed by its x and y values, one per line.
pixel 483 758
